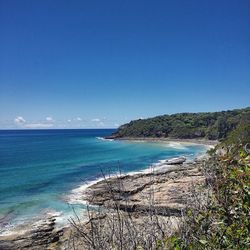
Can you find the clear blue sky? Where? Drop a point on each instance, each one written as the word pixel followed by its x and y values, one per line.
pixel 102 63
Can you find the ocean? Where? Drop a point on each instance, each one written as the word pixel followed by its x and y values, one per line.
pixel 41 169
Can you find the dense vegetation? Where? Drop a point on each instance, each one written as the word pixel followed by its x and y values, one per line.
pixel 222 220
pixel 213 125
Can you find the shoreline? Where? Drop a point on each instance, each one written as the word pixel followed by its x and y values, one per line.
pixel 76 196
pixel 158 139
pixel 81 189
pixel 172 184
pixel 82 193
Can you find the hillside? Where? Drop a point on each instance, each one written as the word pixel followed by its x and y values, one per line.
pixel 207 125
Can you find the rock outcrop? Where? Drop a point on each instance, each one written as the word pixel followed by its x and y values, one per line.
pixel 38 235
pixel 175 161
pixel 168 189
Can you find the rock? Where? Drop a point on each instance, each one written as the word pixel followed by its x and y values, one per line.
pixel 37 235
pixel 111 137
pixel 220 151
pixel 132 192
pixel 175 161
pixel 173 175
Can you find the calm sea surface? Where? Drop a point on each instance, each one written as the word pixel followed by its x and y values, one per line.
pixel 40 168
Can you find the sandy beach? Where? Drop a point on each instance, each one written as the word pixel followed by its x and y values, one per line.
pixel 181 141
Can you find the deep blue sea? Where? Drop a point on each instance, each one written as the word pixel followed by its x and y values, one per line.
pixel 40 168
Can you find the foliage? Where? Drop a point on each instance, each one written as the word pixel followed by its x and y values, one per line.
pixel 238 138
pixel 222 220
pixel 214 125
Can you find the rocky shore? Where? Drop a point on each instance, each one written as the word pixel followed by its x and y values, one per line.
pixel 41 234
pixel 169 184
pixel 166 189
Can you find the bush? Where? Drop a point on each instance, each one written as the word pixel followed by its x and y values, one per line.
pixel 220 219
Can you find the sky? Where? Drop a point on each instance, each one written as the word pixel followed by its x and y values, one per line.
pixel 99 64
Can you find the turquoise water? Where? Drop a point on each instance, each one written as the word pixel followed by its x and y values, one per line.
pixel 39 168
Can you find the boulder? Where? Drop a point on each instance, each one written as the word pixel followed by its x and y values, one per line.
pixel 174 161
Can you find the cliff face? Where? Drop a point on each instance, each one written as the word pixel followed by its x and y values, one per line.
pixel 212 125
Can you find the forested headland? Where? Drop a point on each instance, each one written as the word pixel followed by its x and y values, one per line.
pixel 206 125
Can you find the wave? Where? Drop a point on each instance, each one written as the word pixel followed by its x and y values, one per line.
pixel 24 224
pixel 175 145
pixel 77 195
pixel 104 139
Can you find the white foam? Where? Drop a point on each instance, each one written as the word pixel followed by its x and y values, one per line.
pixel 10 230
pixel 25 223
pixel 104 139
pixel 77 195
pixel 175 145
